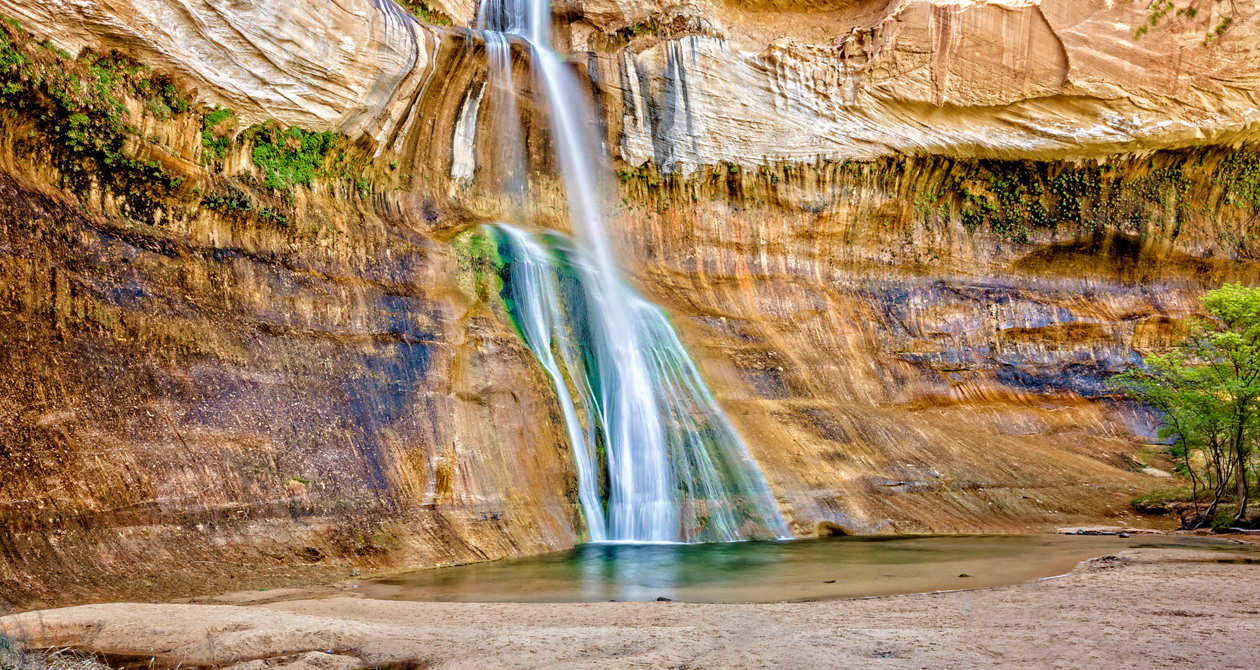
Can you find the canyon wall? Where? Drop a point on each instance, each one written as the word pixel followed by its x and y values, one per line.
pixel 213 384
pixel 907 241
pixel 894 369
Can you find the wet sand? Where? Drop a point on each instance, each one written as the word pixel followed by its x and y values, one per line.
pixel 1141 608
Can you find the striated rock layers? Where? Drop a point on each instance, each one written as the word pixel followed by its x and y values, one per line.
pixel 1001 79
pixel 894 369
pixel 907 241
pixel 746 82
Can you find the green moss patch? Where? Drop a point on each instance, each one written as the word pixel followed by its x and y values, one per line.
pixel 477 253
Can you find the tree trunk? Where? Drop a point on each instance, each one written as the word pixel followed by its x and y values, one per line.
pixel 1241 477
pixel 1239 447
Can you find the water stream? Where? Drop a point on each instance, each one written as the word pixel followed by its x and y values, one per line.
pixel 657 459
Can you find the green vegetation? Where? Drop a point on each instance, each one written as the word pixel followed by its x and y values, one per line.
pixel 1161 9
pixel 649 27
pixel 1157 501
pixel 425 13
pixel 1239 175
pixel 79 117
pixel 477 252
pixel 644 173
pixel 62 53
pixel 288 156
pixel 1154 194
pixel 233 200
pixel 476 246
pixel 1208 389
pixel 217 127
pixel 82 115
pixel 1014 198
pixel 1158 10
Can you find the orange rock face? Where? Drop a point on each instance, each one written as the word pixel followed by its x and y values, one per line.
pixel 894 372
pixel 260 387
pixel 907 241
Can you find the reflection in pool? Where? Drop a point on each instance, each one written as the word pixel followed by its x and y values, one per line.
pixel 765 571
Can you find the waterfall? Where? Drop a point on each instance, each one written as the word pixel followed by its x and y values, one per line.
pixel 507 119
pixel 644 428
pixel 535 302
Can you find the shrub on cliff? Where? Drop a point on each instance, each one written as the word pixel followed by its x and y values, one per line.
pixel 75 108
pixel 288 156
pixel 1208 389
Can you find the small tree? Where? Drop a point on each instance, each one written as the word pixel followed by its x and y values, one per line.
pixel 1208 389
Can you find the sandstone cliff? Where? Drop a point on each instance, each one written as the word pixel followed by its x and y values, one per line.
pixel 748 82
pixel 907 241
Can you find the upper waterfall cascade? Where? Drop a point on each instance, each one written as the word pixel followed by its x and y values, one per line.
pixel 657 459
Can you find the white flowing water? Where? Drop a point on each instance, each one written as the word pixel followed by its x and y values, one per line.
pixel 536 305
pixel 507 118
pixel 645 430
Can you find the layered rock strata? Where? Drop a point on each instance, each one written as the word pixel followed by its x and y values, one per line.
pixel 221 373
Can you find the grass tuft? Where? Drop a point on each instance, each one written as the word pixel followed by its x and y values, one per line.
pixel 14 655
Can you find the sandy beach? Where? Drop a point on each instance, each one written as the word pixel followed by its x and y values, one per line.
pixel 1141 608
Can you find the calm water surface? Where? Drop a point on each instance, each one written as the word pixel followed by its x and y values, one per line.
pixel 767 571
